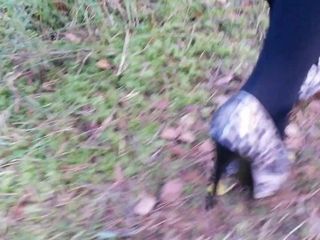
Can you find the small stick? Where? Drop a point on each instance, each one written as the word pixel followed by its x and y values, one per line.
pixel 294 230
pixel 124 52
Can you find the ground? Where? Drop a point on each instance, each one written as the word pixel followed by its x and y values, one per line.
pixel 104 112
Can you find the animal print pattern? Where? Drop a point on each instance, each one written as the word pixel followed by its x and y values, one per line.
pixel 244 126
pixel 312 83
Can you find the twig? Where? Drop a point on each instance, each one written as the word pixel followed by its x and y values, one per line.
pixel 83 62
pixel 124 52
pixel 191 36
pixel 106 123
pixel 294 230
pixel 229 235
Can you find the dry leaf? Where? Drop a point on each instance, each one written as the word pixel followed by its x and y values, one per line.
pixel 314 132
pixel 295 142
pixel 170 133
pixel 17 211
pixel 61 6
pixel 194 177
pixel 172 190
pixel 187 137
pixel 206 147
pixel 222 1
pixel 162 104
pixel 293 130
pixel 103 64
pixel 223 188
pixel 145 205
pixel 72 37
pixel 118 173
pixel 187 121
pixel 219 100
pixel 314 106
pixel 177 150
pixel 224 80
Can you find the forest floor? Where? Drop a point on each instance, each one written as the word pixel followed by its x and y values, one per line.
pixel 104 112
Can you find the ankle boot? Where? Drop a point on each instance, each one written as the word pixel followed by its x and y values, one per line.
pixel 247 134
pixel 244 127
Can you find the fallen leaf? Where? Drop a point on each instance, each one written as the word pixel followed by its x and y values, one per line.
pixel 61 6
pixel 206 147
pixel 4 116
pixel 74 168
pixel 187 137
pixel 219 100
pixel 247 3
pixel 17 212
pixel 187 121
pixel 170 133
pixel 48 86
pixel 193 109
pixel 177 150
pixel 314 132
pixel 172 190
pixel 314 106
pixel 194 177
pixel 162 104
pixel 223 80
pixel 223 188
pixel 145 205
pixel 295 142
pixel 118 173
pixel 72 38
pixel 103 64
pixel 222 1
pixel 292 130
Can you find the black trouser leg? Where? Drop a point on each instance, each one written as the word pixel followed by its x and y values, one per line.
pixel 291 46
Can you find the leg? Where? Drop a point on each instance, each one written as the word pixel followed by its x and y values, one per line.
pixel 291 46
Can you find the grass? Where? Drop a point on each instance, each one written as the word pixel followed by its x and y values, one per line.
pixel 71 129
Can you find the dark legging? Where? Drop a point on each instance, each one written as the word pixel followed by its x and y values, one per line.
pixel 291 46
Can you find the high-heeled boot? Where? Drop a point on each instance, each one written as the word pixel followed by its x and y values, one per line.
pixel 244 132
